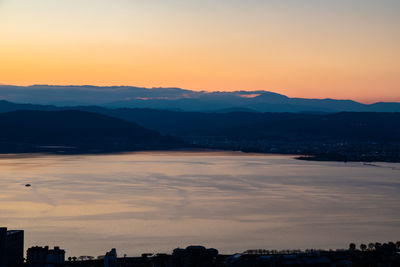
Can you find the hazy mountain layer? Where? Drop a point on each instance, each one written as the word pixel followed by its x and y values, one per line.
pixel 180 99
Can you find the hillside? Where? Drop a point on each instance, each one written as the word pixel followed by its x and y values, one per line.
pixel 75 132
pixel 354 136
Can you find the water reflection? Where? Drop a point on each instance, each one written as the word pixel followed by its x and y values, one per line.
pixel 143 202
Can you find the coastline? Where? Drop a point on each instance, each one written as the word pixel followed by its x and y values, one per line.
pixel 302 157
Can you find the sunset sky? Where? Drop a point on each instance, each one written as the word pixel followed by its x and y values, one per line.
pixel 300 48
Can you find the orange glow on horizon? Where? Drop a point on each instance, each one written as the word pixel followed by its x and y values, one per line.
pixel 298 50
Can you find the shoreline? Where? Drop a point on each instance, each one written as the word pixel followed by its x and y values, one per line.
pixel 302 157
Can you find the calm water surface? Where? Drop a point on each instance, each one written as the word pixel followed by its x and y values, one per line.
pixel 157 201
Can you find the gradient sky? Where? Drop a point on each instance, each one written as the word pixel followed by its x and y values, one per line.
pixel 303 48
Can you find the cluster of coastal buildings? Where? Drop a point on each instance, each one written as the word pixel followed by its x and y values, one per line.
pixel 12 253
pixel 382 255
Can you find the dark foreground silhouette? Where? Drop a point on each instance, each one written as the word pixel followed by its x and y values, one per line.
pixel 382 255
pixel 372 254
pixel 195 256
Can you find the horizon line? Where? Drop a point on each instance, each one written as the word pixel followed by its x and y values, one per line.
pixel 365 102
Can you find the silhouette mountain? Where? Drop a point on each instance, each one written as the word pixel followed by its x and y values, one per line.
pixel 76 132
pixel 6 106
pixel 355 136
pixel 344 126
pixel 244 124
pixel 180 99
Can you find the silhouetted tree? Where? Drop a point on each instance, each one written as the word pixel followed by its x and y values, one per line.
pixel 398 244
pixel 352 247
pixel 363 247
pixel 377 245
pixel 69 258
pixel 391 247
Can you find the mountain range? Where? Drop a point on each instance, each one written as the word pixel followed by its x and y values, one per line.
pixel 183 100
pixel 356 136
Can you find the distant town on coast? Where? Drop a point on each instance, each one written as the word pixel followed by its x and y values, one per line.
pixel 375 254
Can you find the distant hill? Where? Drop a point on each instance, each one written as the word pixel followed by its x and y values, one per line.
pixel 180 99
pixel 7 106
pixel 247 123
pixel 75 132
pixel 344 126
pixel 353 136
pixel 345 136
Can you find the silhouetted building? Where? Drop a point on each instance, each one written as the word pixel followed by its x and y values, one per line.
pixel 11 247
pixel 45 257
pixel 193 256
pixel 110 259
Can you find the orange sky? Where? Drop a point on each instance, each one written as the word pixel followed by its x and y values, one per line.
pixel 338 49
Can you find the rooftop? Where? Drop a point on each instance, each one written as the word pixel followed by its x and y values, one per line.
pixel 11 232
